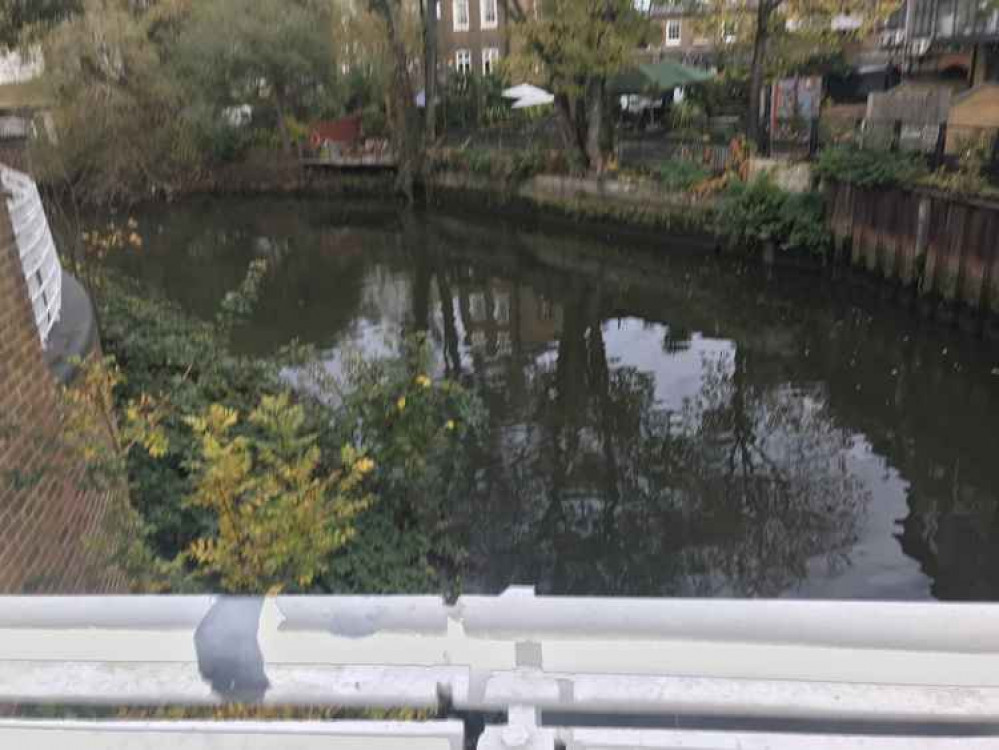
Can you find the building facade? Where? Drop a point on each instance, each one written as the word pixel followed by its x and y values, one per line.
pixel 680 34
pixel 474 35
pixel 692 36
pixel 959 38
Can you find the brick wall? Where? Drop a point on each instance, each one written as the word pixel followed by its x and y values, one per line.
pixel 49 516
pixel 475 39
pixel 14 153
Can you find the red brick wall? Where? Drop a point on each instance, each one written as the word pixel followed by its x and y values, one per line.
pixel 14 154
pixel 49 517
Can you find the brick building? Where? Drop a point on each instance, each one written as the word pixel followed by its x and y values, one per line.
pixel 50 513
pixel 957 39
pixel 474 35
pixel 691 36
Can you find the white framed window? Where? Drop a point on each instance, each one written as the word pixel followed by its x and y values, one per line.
pixel 488 14
pixel 463 61
pixel 546 310
pixel 673 32
pixel 461 15
pixel 477 307
pixel 504 346
pixel 501 307
pixel 438 6
pixel 490 56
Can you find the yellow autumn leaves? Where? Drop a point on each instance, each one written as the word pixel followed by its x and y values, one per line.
pixel 423 382
pixel 100 241
pixel 89 426
pixel 281 515
pixel 279 508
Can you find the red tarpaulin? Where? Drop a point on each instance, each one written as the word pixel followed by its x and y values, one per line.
pixel 344 130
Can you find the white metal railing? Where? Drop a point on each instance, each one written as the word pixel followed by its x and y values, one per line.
pixel 906 666
pixel 39 258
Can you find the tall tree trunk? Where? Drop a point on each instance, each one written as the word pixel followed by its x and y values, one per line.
pixel 406 134
pixel 753 125
pixel 282 125
pixel 430 71
pixel 568 125
pixel 596 103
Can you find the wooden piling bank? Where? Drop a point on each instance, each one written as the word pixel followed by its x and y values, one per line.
pixel 943 247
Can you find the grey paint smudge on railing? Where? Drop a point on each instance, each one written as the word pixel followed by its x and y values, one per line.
pixel 228 649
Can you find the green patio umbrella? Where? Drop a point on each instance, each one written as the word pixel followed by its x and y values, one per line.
pixel 656 78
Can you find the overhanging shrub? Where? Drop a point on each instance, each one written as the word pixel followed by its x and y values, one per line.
pixel 868 168
pixel 759 213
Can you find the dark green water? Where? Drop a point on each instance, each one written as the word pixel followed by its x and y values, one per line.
pixel 661 421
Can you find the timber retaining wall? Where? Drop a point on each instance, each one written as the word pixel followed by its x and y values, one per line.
pixel 944 247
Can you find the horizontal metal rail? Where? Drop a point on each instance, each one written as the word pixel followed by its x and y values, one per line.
pixel 905 666
pixel 628 739
pixel 231 735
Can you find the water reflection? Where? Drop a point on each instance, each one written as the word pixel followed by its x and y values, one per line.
pixel 625 458
pixel 660 423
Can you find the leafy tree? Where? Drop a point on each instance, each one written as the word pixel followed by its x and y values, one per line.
pixel 361 43
pixel 119 133
pixel 428 12
pixel 273 52
pixel 403 116
pixel 573 48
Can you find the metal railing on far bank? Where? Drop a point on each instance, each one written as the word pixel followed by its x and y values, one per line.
pixel 939 146
pixel 540 672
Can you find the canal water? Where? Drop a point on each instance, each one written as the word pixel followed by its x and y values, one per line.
pixel 661 421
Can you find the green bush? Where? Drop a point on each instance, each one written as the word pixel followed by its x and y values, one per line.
pixel 160 350
pixel 869 168
pixel 416 431
pixel 223 143
pixel 726 94
pixel 971 175
pixel 374 123
pixel 679 174
pixel 503 166
pixel 688 116
pixel 759 213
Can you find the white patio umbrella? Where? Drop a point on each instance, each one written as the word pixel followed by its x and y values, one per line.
pixel 534 100
pixel 521 90
pixel 525 95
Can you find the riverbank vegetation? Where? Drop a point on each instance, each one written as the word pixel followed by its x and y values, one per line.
pixel 758 214
pixel 870 168
pixel 250 474
pixel 152 98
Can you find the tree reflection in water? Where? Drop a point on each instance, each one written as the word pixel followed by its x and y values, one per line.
pixel 593 485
